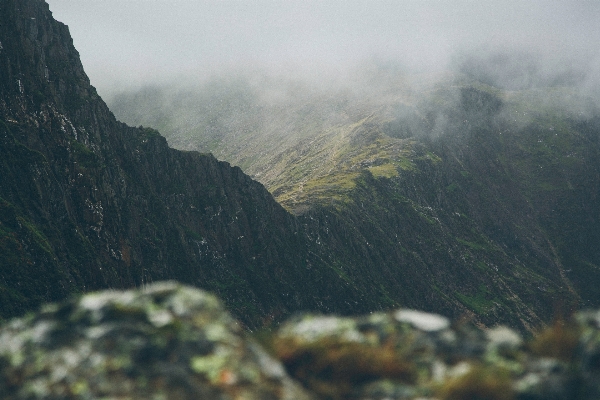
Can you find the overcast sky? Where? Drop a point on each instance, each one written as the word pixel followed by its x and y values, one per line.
pixel 131 42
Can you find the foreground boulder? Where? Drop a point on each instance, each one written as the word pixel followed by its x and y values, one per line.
pixel 408 354
pixel 165 342
pixel 173 341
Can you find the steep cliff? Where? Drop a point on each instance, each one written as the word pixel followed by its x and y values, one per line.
pixel 87 202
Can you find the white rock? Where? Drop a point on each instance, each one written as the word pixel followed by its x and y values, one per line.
pixel 422 320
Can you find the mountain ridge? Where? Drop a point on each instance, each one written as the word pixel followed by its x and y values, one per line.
pixel 477 184
pixel 87 202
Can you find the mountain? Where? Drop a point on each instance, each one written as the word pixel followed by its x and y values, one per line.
pixel 446 194
pixel 87 202
pixel 436 201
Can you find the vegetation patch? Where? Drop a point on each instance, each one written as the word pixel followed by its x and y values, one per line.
pixel 480 383
pixel 473 245
pixel 341 272
pixel 558 341
pixel 148 133
pixel 331 368
pixel 384 171
pixel 452 187
pixel 478 303
pixel 84 156
pixel 38 236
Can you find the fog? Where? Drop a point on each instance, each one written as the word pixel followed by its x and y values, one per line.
pixel 127 44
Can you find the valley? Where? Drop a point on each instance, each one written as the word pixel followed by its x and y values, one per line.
pixel 459 195
pixel 448 194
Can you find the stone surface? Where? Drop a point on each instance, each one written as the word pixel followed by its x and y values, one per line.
pixel 167 341
pixel 173 341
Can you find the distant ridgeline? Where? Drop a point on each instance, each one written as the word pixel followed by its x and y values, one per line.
pixel 494 228
pixel 453 196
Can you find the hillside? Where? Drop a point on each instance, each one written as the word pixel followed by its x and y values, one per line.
pixel 448 194
pixel 437 197
pixel 87 202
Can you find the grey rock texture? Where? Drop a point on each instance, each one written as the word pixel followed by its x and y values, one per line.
pixel 165 342
pixel 170 341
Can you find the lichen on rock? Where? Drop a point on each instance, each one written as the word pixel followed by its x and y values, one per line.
pixel 166 341
pixel 170 341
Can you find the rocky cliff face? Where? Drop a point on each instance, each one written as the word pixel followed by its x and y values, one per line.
pixel 87 202
pixel 458 197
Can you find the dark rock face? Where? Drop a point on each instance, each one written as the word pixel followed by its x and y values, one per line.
pixel 168 341
pixel 87 202
pixel 174 341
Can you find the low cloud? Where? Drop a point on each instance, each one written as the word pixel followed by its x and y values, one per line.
pixel 515 44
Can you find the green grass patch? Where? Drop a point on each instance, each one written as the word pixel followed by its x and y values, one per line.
pixel 433 157
pixel 452 187
pixel 84 156
pixel 473 245
pixel 193 235
pixel 406 164
pixel 148 133
pixel 479 302
pixel 384 171
pixel 338 270
pixel 38 236
pixel 481 265
pixel 385 297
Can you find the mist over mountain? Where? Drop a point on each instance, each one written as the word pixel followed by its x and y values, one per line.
pixel 418 178
pixel 469 189
pixel 87 202
pixel 133 43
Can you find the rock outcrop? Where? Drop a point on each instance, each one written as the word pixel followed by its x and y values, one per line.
pixel 174 341
pixel 87 202
pixel 167 341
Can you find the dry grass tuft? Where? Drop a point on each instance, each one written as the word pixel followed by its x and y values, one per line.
pixel 558 341
pixel 480 383
pixel 333 369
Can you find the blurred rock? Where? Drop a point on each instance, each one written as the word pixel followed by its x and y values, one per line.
pixel 173 341
pixel 165 342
